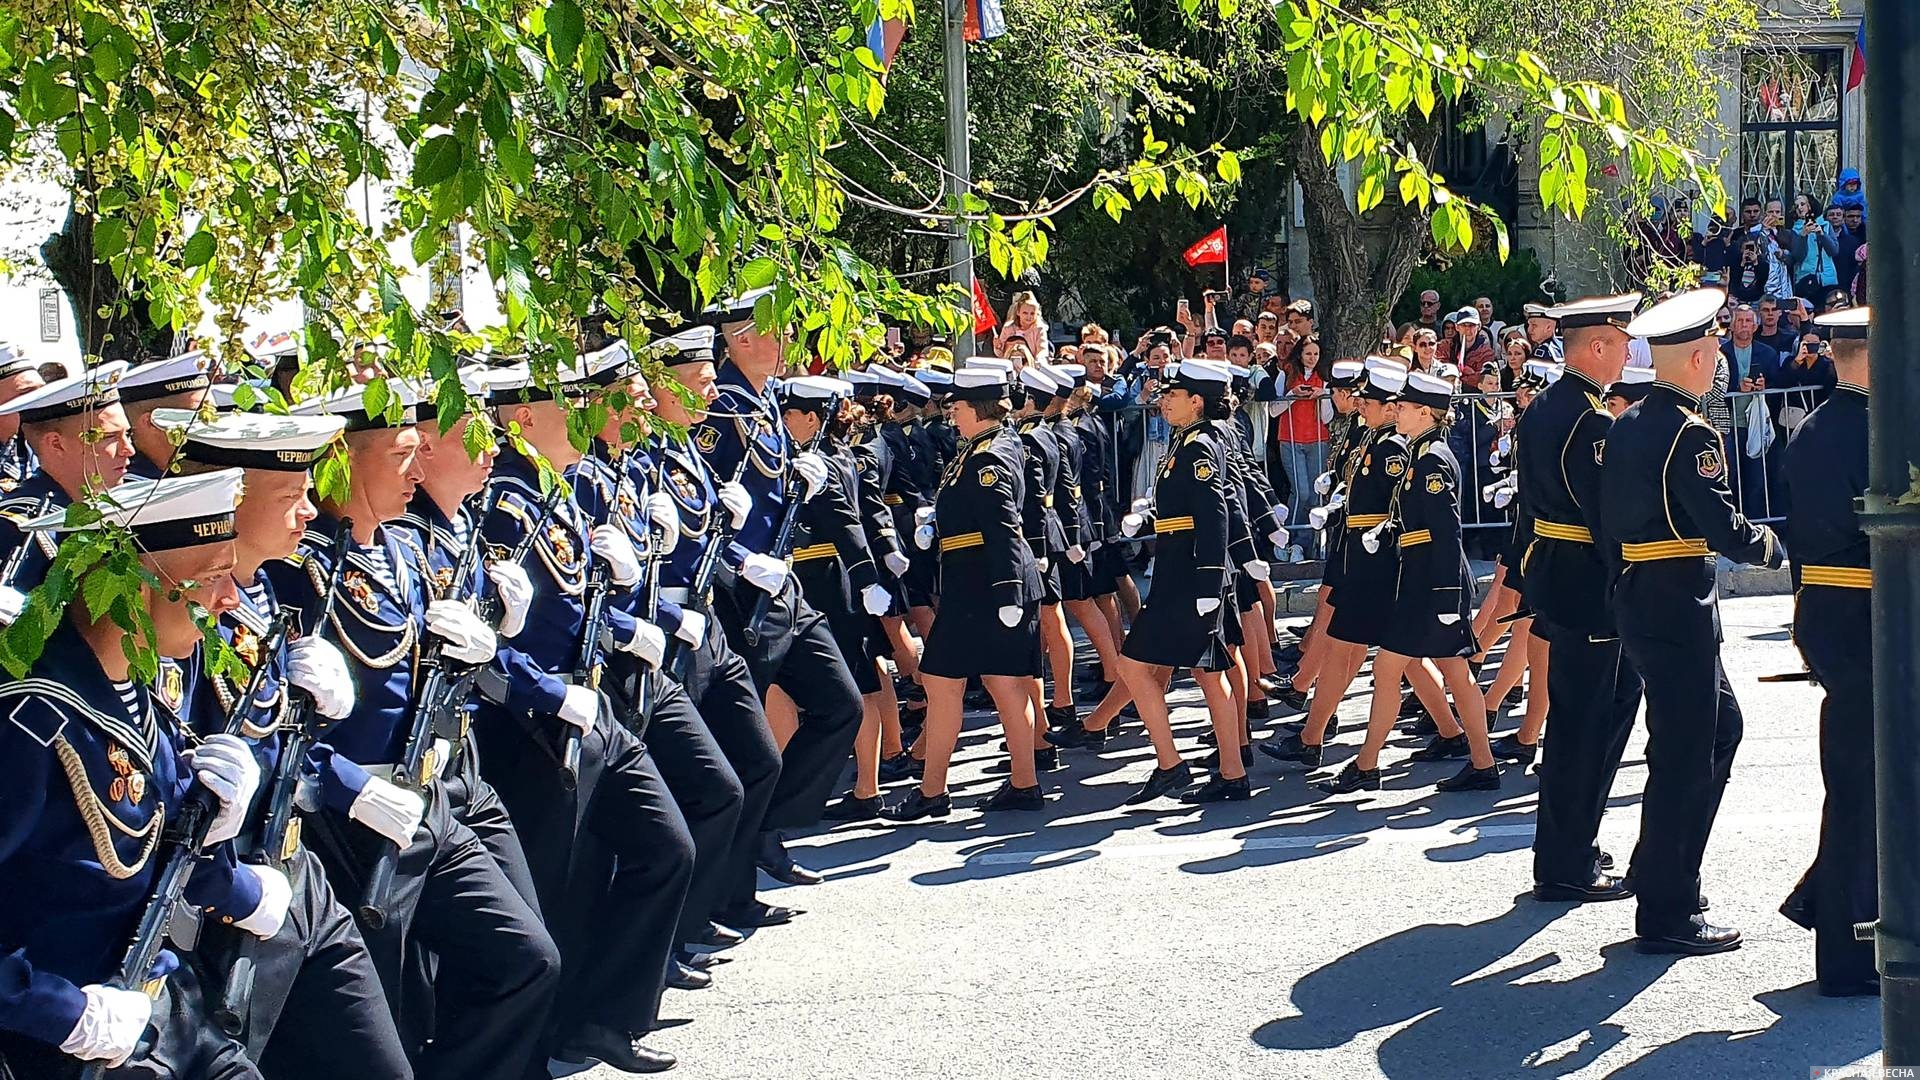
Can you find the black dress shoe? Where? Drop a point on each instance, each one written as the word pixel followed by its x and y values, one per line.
pixel 622 1050
pixel 1423 725
pixel 1410 706
pixel 1798 908
pixel 1078 738
pixel 1351 779
pixel 1600 889
pixel 1510 748
pixel 1300 725
pixel 1008 797
pixel 1218 789
pixel 719 937
pixel 1257 709
pixel 1289 698
pixel 682 977
pixel 758 913
pixel 1697 937
pixel 896 768
pixel 701 961
pixel 915 806
pixel 850 807
pixel 1162 782
pixel 1442 748
pixel 1294 749
pixel 779 865
pixel 1515 696
pixel 1472 779
pixel 1867 987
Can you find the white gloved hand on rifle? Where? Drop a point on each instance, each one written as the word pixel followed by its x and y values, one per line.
pixel 611 544
pixel 738 502
pixel 515 590
pixel 665 518
pixel 317 667
pixel 224 764
pixel 389 809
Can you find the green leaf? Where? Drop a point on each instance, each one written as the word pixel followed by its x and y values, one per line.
pixel 199 249
pixel 565 27
pixel 1228 166
pixel 437 161
pixel 758 273
pixel 516 161
pixel 375 396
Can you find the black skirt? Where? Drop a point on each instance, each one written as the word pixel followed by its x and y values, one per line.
pixel 968 640
pixel 1076 579
pixel 1170 633
pixel 1363 603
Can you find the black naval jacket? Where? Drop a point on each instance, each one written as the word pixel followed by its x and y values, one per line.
pixel 1559 450
pixel 1433 596
pixel 1190 516
pixel 830 553
pixel 1826 470
pixel 985 563
pixel 1666 502
pixel 1382 460
pixel 1046 533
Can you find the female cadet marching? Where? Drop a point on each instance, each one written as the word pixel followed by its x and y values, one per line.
pixel 988 623
pixel 1432 605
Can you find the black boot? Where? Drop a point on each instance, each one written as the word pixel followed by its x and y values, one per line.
pixel 1162 782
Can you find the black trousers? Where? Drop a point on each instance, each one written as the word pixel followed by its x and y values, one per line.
pixel 1834 629
pixel 1693 728
pixel 476 805
pixel 1595 693
pixel 611 860
pixel 187 1044
pixel 704 786
pixel 316 1008
pixel 723 690
pixel 497 968
pixel 796 652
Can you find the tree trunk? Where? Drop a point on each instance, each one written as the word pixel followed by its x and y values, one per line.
pixel 91 288
pixel 1356 288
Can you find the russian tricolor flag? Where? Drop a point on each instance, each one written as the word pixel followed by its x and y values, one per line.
pixel 985 20
pixel 884 38
pixel 1858 73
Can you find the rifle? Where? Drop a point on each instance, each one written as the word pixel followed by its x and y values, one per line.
pixel 677 656
pixel 281 832
pixel 750 631
pixel 587 669
pixel 18 556
pixel 187 837
pixel 436 708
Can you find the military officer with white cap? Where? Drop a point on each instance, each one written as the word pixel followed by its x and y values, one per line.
pixel 176 382
pixel 95 770
pixel 18 375
pixel 1665 501
pixel 78 432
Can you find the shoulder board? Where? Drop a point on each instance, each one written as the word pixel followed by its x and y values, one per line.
pixel 1434 450
pixel 1593 400
pixel 1694 417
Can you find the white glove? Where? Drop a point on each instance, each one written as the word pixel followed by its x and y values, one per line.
pixel 276 894
pixel 812 470
pixel 1502 498
pixel 693 629
pixel 923 537
pixel 1371 540
pixel 225 766
pixel 1142 505
pixel 1206 605
pixel 923 516
pixel 1281 514
pixel 318 668
pixel 1010 616
pixel 897 563
pixel 515 589
pixel 611 544
pixel 468 640
pixel 1317 517
pixel 764 572
pixel 1323 483
pixel 1281 536
pixel 110 1025
pixel 875 600
pixel 388 809
pixel 1256 569
pixel 666 521
pixel 738 502
pixel 1338 500
pixel 1131 524
pixel 579 708
pixel 12 603
pixel 648 642
pixel 1041 563
pixel 1076 554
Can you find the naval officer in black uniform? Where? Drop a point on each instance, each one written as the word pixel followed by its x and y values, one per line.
pixel 176 382
pixel 78 433
pixel 1594 692
pixel 1833 626
pixel 1665 501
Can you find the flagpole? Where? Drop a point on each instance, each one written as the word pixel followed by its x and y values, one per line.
pixel 959 161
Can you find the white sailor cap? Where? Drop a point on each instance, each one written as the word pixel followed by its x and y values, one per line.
pixel 1076 374
pixel 735 309
pixel 1846 324
pixel 13 360
pixel 182 374
pixel 252 440
pixel 863 380
pixel 1427 388
pixel 1536 311
pixel 934 379
pixel 1384 379
pixel 1681 320
pixel 402 406
pixel 694 345
pixel 1632 383
pixel 1208 378
pixel 1238 373
pixel 980 384
pixel 91 389
pixel 1345 374
pixel 1037 379
pixel 166 514
pixel 988 363
pixel 1615 311
pixel 1445 370
pixel 910 388
pixel 813 393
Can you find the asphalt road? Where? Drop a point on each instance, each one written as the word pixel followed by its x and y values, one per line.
pixel 1380 933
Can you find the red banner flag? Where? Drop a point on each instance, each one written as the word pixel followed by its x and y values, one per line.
pixel 1212 248
pixel 983 317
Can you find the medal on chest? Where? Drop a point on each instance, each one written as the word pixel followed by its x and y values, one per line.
pixel 129 784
